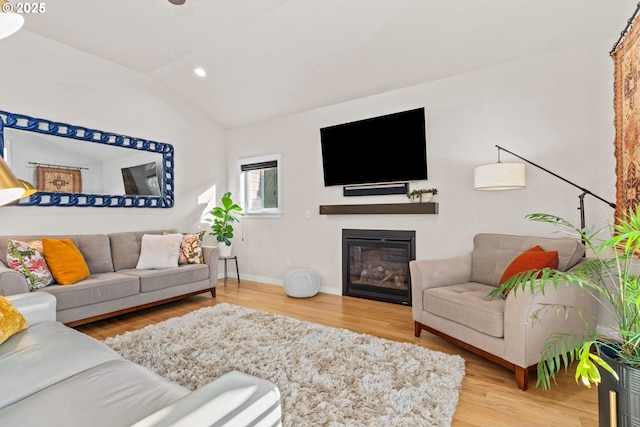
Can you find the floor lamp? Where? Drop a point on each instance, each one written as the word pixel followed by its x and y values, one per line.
pixel 511 176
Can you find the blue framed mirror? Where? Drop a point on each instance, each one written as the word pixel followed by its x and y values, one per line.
pixel 76 166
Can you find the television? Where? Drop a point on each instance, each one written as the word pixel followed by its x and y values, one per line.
pixel 141 180
pixel 384 149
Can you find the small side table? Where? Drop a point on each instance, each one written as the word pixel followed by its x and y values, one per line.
pixel 225 259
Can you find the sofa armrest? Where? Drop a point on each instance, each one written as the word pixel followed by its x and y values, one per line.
pixel 235 399
pixel 12 282
pixel 36 307
pixel 210 254
pixel 526 333
pixel 435 273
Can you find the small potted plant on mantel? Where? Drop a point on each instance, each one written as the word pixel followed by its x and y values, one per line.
pixel 422 195
pixel 221 227
pixel 610 275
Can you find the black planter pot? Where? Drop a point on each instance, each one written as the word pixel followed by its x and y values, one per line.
pixel 626 400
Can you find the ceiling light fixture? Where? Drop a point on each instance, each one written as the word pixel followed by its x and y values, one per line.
pixel 200 72
pixel 10 22
pixel 177 2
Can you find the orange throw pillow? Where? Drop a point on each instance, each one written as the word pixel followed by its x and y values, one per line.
pixel 534 258
pixel 65 261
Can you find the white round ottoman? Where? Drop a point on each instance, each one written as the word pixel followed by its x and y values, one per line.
pixel 301 283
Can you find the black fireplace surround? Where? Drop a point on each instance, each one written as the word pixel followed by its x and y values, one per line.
pixel 375 264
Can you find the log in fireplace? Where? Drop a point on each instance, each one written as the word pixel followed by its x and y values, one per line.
pixel 375 264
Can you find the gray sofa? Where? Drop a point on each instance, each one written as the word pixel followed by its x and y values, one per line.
pixel 115 286
pixel 53 375
pixel 450 299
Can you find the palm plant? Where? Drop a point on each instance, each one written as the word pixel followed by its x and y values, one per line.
pixel 224 215
pixel 608 276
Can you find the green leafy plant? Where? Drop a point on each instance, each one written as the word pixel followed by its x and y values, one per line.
pixel 224 215
pixel 608 276
pixel 417 194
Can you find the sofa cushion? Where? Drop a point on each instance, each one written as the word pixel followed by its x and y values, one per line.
pixel 467 304
pixel 11 320
pixel 43 355
pixel 96 250
pixel 65 261
pixel 125 248
pixel 492 254
pixel 534 258
pixel 153 280
pixel 98 288
pixel 116 390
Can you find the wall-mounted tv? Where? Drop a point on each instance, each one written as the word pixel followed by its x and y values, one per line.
pixel 390 148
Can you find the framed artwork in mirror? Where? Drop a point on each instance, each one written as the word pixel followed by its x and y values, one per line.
pixel 76 166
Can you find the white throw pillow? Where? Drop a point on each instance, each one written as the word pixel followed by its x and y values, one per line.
pixel 159 251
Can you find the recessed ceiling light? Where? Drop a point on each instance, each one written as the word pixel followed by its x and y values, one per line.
pixel 200 72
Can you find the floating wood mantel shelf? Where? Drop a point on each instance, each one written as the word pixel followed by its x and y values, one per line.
pixel 384 209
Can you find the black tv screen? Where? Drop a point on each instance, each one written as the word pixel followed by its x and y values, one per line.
pixel 390 148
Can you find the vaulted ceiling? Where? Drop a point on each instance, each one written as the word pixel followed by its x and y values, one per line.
pixel 267 58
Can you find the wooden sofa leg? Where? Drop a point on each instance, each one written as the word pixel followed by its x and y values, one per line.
pixel 213 292
pixel 417 329
pixel 522 378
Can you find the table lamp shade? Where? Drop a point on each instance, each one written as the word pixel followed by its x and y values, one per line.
pixel 499 176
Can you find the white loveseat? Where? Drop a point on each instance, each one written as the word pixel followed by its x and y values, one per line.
pixel 52 375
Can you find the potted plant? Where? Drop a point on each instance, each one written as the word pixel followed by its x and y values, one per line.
pixel 221 227
pixel 610 276
pixel 422 194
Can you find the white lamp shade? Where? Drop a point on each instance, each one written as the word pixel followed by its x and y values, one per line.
pixel 9 23
pixel 499 176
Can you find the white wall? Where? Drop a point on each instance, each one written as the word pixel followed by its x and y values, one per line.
pixel 42 78
pixel 555 110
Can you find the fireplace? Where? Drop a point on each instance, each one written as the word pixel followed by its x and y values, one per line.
pixel 375 264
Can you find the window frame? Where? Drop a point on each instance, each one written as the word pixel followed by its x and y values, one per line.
pixel 265 212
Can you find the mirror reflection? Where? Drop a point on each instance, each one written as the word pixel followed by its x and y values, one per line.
pixel 64 165
pixel 75 166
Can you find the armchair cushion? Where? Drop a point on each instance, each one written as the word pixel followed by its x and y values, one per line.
pixel 492 254
pixel 468 304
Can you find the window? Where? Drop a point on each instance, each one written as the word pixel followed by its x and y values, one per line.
pixel 260 186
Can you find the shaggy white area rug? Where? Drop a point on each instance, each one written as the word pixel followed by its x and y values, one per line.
pixel 326 376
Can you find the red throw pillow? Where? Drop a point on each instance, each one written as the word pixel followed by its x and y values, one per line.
pixel 534 258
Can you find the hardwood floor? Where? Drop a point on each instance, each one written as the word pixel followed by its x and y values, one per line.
pixel 489 396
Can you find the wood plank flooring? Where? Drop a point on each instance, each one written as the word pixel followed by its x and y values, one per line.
pixel 489 396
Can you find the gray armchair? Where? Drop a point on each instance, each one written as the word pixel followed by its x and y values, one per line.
pixel 450 300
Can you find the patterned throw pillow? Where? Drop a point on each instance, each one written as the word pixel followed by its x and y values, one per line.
pixel 27 259
pixel 190 248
